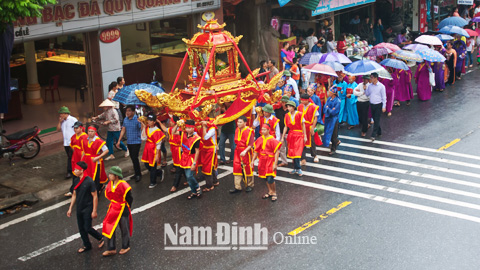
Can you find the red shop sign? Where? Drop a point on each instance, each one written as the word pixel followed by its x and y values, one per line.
pixel 109 35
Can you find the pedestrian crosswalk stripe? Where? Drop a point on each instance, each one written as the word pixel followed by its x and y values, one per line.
pixel 395 180
pixel 412 147
pixel 404 162
pixel 406 154
pixel 380 199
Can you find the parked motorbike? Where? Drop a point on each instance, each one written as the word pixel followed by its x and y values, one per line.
pixel 25 144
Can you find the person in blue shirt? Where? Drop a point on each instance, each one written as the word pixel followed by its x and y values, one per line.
pixel 351 104
pixel 133 129
pixel 287 91
pixel 331 110
pixel 341 86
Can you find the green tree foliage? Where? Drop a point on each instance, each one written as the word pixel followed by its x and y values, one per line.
pixel 11 10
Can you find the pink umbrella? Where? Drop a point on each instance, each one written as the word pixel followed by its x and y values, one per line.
pixel 390 46
pixel 321 69
pixel 378 52
pixel 472 33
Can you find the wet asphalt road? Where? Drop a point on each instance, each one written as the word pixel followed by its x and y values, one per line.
pixel 405 208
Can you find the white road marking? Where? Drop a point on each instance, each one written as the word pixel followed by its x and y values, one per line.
pixel 406 154
pixel 50 208
pixel 403 162
pixel 413 147
pixel 99 226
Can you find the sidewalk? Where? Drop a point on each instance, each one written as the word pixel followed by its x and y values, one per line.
pixel 43 178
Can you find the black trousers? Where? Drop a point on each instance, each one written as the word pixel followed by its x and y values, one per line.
pixel 362 109
pixel 69 152
pixel 124 226
pixel 84 221
pixel 334 138
pixel 134 150
pixel 154 173
pixel 210 180
pixel 313 150
pixel 376 113
pixel 178 174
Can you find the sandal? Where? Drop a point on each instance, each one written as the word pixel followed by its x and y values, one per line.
pixel 208 189
pixel 164 164
pixel 173 189
pixel 193 195
pixel 216 184
pixel 101 243
pixel 83 249
pixel 266 196
pixel 274 198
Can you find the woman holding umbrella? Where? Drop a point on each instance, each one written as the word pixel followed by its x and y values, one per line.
pixel 451 62
pixel 439 70
pixel 424 89
pixel 460 48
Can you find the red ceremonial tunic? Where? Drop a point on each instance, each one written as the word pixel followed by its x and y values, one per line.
pixel 175 141
pixel 266 149
pixel 242 141
pixel 188 157
pixel 92 150
pixel 76 143
pixel 208 153
pixel 272 122
pixel 150 150
pixel 116 196
pixel 295 141
pixel 308 115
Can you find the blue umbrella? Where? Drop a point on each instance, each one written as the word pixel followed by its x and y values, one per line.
pixel 127 96
pixel 455 21
pixel 335 57
pixel 431 55
pixel 454 30
pixel 444 37
pixel 335 65
pixel 415 47
pixel 362 67
pixel 407 56
pixel 310 58
pixel 394 63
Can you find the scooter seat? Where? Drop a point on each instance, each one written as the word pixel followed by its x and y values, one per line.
pixel 22 134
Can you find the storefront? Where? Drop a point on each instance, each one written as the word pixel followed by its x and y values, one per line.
pixel 93 42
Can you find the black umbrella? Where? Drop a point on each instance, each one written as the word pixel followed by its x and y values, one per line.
pixel 6 45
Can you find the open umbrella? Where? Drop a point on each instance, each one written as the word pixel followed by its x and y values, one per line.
pixel 454 20
pixel 394 63
pixel 310 58
pixel 321 69
pixel 444 37
pixel 335 57
pixel 362 67
pixel 408 56
pixel 431 55
pixel 384 74
pixel 472 33
pixel 454 30
pixel 475 19
pixel 416 47
pixel 430 40
pixel 390 46
pixel 127 96
pixel 335 65
pixel 378 52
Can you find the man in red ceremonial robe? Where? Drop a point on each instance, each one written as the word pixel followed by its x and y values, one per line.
pixel 309 113
pixel 270 119
pixel 244 137
pixel 94 150
pixel 267 149
pixel 85 195
pixel 296 139
pixel 190 157
pixel 208 158
pixel 76 143
pixel 119 193
pixel 151 152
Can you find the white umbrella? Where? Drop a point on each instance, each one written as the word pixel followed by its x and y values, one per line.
pixel 431 40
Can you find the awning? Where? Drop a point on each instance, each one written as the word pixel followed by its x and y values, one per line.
pixel 308 4
pixel 326 6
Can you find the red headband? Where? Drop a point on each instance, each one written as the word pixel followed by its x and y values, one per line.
pixel 78 167
pixel 192 126
pixel 304 98
pixel 266 126
pixel 92 128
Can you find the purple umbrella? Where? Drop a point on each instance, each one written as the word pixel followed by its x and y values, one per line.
pixel 378 52
pixel 475 19
pixel 335 57
pixel 310 58
pixel 416 47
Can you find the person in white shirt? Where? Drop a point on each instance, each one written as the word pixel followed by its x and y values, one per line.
pixel 363 103
pixel 311 39
pixel 65 124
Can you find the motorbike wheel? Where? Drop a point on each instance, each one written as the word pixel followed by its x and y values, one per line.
pixel 33 149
